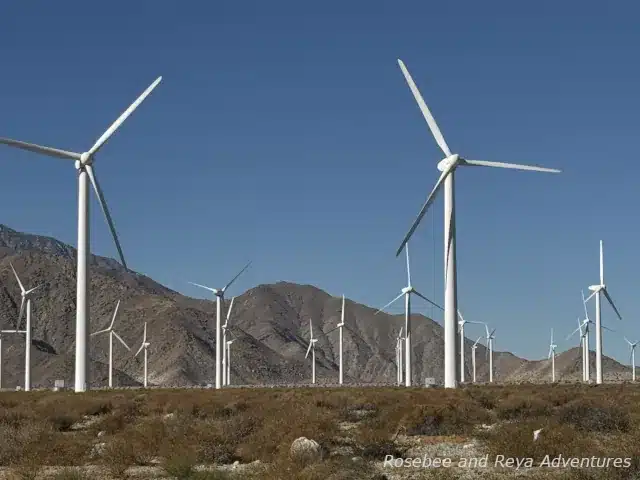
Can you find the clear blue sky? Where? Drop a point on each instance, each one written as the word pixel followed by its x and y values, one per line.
pixel 284 132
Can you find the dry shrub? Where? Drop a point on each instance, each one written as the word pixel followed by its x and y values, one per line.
pixel 70 474
pixel 146 439
pixel 180 463
pixel 518 407
pixel 592 416
pixel 118 456
pixel 515 440
pixel 448 419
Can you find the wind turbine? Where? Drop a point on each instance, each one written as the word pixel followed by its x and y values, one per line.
pixel 632 357
pixel 219 294
pixel 473 357
pixel 552 356
pixel 112 333
pixel 597 290
pixel 84 166
pixel 339 327
pixel 406 292
pixel 224 342
pixel 399 357
pixel 448 166
pixel 490 337
pixel 312 349
pixel 28 330
pixel 461 324
pixel 144 347
pixel 584 345
pixel 228 355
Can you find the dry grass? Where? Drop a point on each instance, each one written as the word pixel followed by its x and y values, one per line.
pixel 177 430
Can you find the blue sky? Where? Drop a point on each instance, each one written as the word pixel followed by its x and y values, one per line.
pixel 285 133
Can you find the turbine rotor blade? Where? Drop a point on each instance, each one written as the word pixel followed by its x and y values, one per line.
pixel 389 304
pixel 308 349
pixel 99 331
pixel 512 166
pixel 601 264
pixel 229 311
pixel 32 147
pixel 408 267
pixel 121 341
pixel 22 289
pixel 20 314
pixel 426 206
pixel 426 113
pixel 206 288
pixel 105 209
pixel 115 312
pixel 427 300
pixel 236 277
pixel 589 297
pixel 606 294
pixel 115 125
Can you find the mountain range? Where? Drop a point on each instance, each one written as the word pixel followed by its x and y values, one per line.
pixel 270 322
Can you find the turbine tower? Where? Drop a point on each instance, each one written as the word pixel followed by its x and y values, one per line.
pixel 586 353
pixel 552 356
pixel 399 357
pixel 144 347
pixel 597 291
pixel 474 347
pixel 461 324
pixel 228 355
pixel 112 333
pixel 448 166
pixel 632 357
pixel 28 330
pixel 490 337
pixel 312 349
pixel 584 346
pixel 219 294
pixel 406 292
pixel 86 172
pixel 224 342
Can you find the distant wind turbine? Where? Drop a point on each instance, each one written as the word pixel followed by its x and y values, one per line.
pixel 399 357
pixel 448 166
pixel 461 324
pixel 339 327
pixel 28 329
pixel 219 294
pixel 224 342
pixel 312 349
pixel 228 356
pixel 632 357
pixel 490 337
pixel 112 333
pixel 552 356
pixel 474 347
pixel 86 172
pixel 597 291
pixel 406 293
pixel 144 347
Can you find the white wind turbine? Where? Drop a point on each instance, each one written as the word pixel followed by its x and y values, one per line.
pixel 228 356
pixel 312 349
pixel 399 357
pixel 632 357
pixel 448 166
pixel 28 329
pixel 597 290
pixel 461 324
pixel 490 337
pixel 339 327
pixel 84 166
pixel 144 347
pixel 552 356
pixel 224 342
pixel 406 292
pixel 474 347
pixel 112 333
pixel 219 294
pixel 584 346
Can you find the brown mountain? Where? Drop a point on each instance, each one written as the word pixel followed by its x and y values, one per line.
pixel 271 323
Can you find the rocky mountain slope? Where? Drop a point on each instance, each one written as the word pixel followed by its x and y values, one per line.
pixel 271 323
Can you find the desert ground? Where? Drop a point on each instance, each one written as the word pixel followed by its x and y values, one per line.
pixel 248 433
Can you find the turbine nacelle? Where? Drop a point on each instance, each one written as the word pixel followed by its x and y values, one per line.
pixel 449 162
pixel 406 290
pixel 596 288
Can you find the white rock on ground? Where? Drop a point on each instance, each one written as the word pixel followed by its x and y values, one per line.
pixel 305 450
